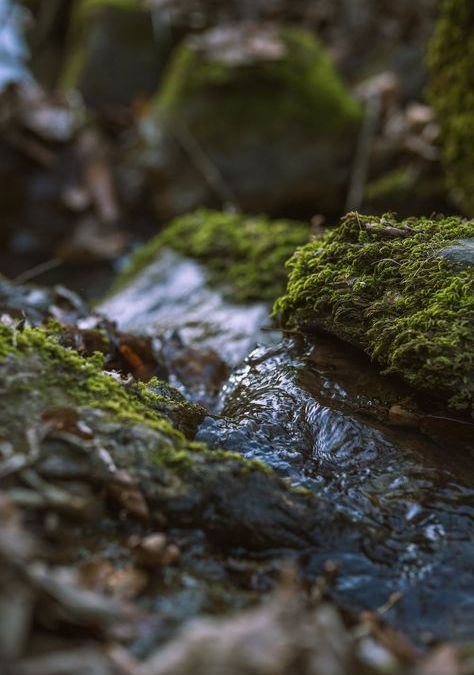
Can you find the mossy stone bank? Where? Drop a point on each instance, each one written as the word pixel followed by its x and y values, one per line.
pixel 403 291
pixel 61 409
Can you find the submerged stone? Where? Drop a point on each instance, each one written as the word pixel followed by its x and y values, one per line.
pixel 388 287
pixel 451 92
pixel 256 116
pixel 116 52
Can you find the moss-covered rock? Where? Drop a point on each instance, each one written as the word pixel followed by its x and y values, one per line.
pixel 85 422
pixel 265 110
pixel 451 92
pixel 67 378
pixel 244 254
pixel 393 289
pixel 115 53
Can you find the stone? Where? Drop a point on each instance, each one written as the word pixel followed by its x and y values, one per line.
pixel 257 117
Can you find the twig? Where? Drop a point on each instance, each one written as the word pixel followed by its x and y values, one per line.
pixel 205 166
pixel 358 177
pixel 37 271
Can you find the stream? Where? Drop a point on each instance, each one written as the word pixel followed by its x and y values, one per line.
pixel 318 413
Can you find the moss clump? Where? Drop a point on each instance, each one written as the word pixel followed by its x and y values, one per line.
pixel 451 92
pixel 63 377
pixel 386 286
pixel 248 89
pixel 246 254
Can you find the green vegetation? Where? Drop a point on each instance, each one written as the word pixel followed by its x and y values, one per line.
pixel 386 287
pixel 40 374
pixel 249 93
pixel 451 92
pixel 246 254
pixel 64 377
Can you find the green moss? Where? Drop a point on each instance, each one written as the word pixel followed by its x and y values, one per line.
pixel 244 253
pixel 384 285
pixel 299 90
pixel 67 376
pixel 48 375
pixel 451 92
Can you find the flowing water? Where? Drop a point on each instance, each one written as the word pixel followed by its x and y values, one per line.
pixel 318 413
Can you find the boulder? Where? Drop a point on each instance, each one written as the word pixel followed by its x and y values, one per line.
pixel 208 278
pixel 254 116
pixel 396 290
pixel 244 254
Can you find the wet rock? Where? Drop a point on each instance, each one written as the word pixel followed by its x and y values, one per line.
pixel 193 303
pixel 244 254
pixel 319 415
pixel 37 304
pixel 172 294
pixel 451 61
pixel 116 52
pixel 461 254
pixel 131 449
pixel 255 116
pixel 387 287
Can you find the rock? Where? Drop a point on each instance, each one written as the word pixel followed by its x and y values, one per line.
pixel 116 53
pixel 256 116
pixel 245 254
pixel 387 287
pixel 451 61
pixel 66 417
pixel 461 254
pixel 230 259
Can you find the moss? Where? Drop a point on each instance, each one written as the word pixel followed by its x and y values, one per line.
pixel 64 374
pixel 58 376
pixel 451 92
pixel 249 94
pixel 384 286
pixel 244 253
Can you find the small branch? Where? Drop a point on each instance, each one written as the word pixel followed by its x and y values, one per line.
pixel 205 166
pixel 360 166
pixel 37 271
